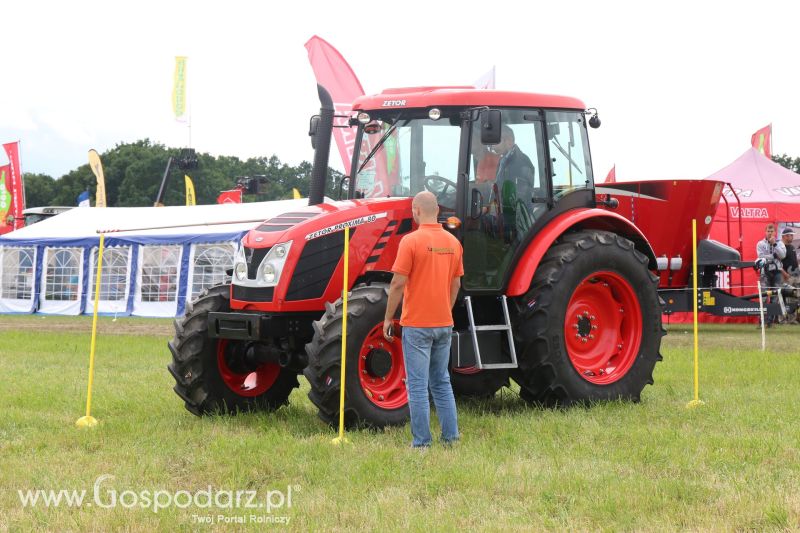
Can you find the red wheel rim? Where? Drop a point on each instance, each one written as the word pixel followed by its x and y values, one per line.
pixel 603 327
pixel 387 391
pixel 243 383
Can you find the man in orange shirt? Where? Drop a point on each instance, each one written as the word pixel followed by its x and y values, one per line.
pixel 427 276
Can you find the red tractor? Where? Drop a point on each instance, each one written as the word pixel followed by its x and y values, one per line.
pixel 558 292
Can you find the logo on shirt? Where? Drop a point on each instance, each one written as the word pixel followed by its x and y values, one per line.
pixel 441 251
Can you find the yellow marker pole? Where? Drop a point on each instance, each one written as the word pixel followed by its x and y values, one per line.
pixel 697 401
pixel 341 438
pixel 89 421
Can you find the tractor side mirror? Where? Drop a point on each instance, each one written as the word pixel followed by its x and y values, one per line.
pixel 475 204
pixel 490 126
pixel 553 130
pixel 313 126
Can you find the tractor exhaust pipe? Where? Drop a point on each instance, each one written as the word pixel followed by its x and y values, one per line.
pixel 322 147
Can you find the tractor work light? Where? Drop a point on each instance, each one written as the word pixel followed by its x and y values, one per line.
pixel 434 114
pixel 453 223
pixel 363 118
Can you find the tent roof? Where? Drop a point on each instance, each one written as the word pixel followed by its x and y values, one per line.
pixel 205 222
pixel 757 179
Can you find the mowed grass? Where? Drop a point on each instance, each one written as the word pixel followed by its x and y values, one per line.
pixel 730 464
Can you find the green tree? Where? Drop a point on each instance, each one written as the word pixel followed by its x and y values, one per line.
pixel 787 161
pixel 133 174
pixel 39 189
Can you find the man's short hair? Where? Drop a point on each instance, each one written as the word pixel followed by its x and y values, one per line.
pixel 507 132
pixel 770 226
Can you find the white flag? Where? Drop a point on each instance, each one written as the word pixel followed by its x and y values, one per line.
pixel 486 81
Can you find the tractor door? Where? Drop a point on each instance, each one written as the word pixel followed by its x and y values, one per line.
pixel 507 192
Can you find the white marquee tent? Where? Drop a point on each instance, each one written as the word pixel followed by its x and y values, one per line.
pixel 50 267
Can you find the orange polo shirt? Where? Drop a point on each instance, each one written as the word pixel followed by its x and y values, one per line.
pixel 431 258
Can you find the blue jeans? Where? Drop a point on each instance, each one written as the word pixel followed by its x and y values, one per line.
pixel 426 352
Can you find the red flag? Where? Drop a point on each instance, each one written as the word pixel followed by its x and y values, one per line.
pixel 612 175
pixel 5 199
pixel 16 187
pixel 234 196
pixel 333 73
pixel 762 140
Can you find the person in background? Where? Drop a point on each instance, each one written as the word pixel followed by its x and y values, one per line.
pixel 791 272
pixel 515 177
pixel 427 277
pixel 789 262
pixel 770 252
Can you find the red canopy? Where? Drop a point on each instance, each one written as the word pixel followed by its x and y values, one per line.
pixel 768 191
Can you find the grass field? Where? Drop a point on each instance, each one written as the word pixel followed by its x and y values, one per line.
pixel 732 464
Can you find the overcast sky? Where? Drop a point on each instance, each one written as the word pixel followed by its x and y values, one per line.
pixel 680 86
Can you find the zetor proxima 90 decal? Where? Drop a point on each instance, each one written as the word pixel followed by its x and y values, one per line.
pixel 349 224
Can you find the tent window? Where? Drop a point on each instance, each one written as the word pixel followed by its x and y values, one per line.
pixel 18 268
pixel 210 263
pixel 114 281
pixel 160 266
pixel 62 280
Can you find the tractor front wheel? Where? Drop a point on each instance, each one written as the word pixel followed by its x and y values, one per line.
pixel 221 375
pixel 375 381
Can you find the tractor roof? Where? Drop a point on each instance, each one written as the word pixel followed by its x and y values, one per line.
pixel 461 96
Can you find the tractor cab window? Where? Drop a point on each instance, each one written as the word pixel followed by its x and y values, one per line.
pixel 507 190
pixel 403 156
pixel 568 142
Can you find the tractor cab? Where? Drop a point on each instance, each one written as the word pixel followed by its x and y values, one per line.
pixel 501 164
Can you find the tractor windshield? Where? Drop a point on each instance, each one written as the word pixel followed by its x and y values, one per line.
pixel 403 155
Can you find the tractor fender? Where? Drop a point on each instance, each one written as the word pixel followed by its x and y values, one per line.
pixel 586 218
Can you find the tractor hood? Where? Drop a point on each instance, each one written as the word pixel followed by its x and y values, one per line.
pixel 293 261
pixel 322 219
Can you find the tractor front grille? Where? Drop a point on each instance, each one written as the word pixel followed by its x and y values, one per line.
pixel 253 294
pixel 315 266
pixel 254 256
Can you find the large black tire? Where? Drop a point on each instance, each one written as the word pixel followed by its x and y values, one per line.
pixel 197 360
pixel 483 384
pixel 375 394
pixel 602 282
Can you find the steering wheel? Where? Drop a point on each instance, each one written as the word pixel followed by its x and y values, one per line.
pixel 440 186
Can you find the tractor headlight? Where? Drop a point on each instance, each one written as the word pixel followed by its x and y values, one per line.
pixel 239 265
pixel 240 270
pixel 269 272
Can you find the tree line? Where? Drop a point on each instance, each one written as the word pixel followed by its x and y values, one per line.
pixel 787 161
pixel 133 173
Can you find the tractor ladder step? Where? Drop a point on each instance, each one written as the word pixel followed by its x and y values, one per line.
pixel 474 329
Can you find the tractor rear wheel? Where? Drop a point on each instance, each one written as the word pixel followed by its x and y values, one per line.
pixel 375 388
pixel 589 328
pixel 218 375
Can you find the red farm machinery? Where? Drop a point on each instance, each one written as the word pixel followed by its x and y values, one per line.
pixel 559 292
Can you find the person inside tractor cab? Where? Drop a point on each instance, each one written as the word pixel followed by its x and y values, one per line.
pixel 513 188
